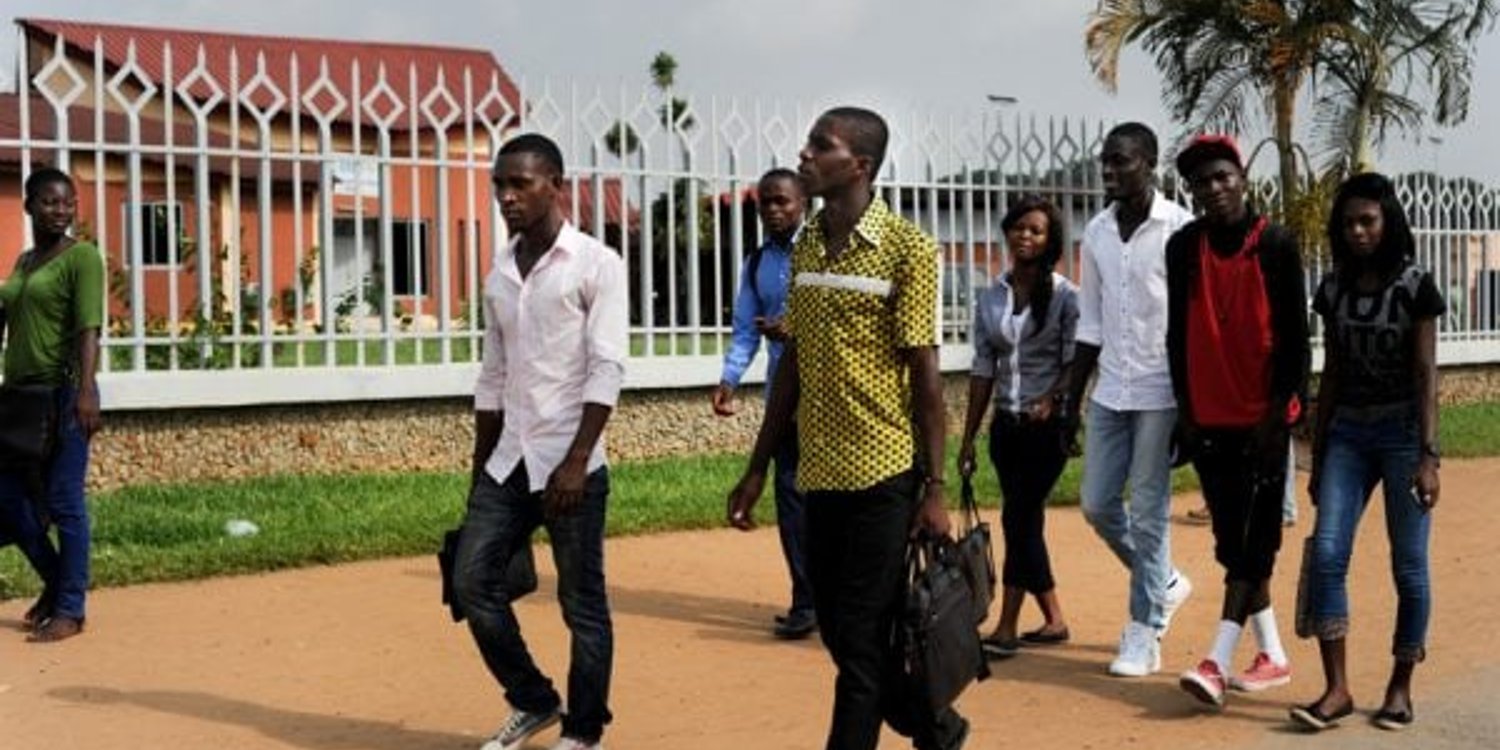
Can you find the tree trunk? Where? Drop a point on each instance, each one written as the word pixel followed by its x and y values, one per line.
pixel 1285 100
pixel 1363 153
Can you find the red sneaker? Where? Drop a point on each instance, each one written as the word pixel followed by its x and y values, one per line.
pixel 1204 682
pixel 1263 673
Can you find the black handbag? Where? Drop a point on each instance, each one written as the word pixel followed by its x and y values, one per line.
pixel 940 643
pixel 976 554
pixel 520 571
pixel 1303 620
pixel 28 413
pixel 28 424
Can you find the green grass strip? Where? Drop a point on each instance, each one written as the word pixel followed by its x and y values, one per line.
pixel 176 532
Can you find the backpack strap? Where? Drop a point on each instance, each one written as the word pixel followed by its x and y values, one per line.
pixel 752 268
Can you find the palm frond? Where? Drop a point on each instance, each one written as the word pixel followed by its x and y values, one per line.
pixel 1110 26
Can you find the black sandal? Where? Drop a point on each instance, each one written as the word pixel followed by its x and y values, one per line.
pixel 1040 637
pixel 1312 718
pixel 1393 721
pixel 995 647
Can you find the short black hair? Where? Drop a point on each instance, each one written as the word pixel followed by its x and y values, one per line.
pixel 41 178
pixel 781 173
pixel 1397 244
pixel 867 131
pixel 537 145
pixel 1138 132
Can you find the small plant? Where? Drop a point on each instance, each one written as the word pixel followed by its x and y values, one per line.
pixel 371 293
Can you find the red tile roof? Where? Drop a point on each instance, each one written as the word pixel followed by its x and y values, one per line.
pixel 615 208
pixel 400 61
pixel 82 131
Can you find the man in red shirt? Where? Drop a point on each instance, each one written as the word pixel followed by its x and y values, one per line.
pixel 1237 345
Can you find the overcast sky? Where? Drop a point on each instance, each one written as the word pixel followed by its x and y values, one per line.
pixel 945 55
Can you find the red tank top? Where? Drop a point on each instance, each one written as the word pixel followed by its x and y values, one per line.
pixel 1229 336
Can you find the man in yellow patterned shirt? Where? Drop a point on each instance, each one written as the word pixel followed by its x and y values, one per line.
pixel 861 360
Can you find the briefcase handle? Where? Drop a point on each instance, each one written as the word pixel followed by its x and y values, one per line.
pixel 927 549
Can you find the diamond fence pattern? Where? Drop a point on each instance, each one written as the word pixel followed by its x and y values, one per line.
pixel 258 223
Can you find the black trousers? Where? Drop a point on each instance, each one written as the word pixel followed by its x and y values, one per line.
pixel 1243 490
pixel 1028 457
pixel 857 561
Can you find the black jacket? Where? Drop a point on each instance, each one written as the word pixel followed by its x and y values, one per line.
pixel 1286 291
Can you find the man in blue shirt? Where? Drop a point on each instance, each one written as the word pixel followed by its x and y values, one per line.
pixel 758 310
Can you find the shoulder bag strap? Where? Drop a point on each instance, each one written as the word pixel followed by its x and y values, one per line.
pixel 970 508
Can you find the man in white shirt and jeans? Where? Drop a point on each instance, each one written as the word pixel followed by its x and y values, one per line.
pixel 555 342
pixel 1122 327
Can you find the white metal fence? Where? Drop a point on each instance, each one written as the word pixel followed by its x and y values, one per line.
pixel 273 238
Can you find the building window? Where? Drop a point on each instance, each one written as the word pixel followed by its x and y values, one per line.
pixel 410 266
pixel 157 222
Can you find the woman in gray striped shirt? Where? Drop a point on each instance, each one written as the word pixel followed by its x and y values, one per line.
pixel 1023 341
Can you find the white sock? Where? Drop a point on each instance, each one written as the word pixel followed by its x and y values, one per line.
pixel 1266 637
pixel 1228 638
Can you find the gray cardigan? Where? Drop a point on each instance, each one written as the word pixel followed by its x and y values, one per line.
pixel 1044 351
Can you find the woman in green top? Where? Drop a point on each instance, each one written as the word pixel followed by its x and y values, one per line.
pixel 53 307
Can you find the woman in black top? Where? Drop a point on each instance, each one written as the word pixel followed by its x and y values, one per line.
pixel 1377 424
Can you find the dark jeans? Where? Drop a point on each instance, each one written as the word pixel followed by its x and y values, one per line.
pixel 1028 457
pixel 65 569
pixel 857 558
pixel 501 517
pixel 1243 490
pixel 791 520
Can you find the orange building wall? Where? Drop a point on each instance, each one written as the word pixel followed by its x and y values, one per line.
pixel 12 221
pixel 108 221
pixel 422 184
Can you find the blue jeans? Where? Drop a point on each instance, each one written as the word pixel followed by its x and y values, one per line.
pixel 1133 445
pixel 500 517
pixel 1357 455
pixel 791 521
pixel 64 569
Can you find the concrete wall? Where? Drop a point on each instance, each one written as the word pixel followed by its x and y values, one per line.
pixel 414 435
pixel 437 435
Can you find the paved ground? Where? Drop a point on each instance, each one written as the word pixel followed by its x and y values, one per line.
pixel 362 657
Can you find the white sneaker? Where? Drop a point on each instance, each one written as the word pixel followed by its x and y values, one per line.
pixel 519 727
pixel 1178 592
pixel 1140 653
pixel 568 743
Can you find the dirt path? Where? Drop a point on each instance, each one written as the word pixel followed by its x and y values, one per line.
pixel 362 657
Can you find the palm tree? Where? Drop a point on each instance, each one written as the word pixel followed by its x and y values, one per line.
pixel 1413 47
pixel 621 138
pixel 1224 61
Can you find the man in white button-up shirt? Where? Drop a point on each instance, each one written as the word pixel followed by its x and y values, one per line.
pixel 555 343
pixel 1122 326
